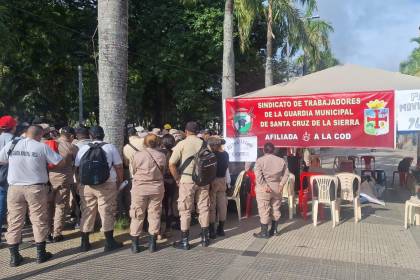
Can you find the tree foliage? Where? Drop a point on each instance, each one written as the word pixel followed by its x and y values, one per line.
pixel 175 59
pixel 412 65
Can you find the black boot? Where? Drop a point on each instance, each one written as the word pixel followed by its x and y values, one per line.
pixel 220 229
pixel 212 231
pixel 152 243
pixel 110 242
pixel 41 254
pixel 183 243
pixel 273 229
pixel 84 244
pixel 205 240
pixel 15 258
pixel 135 244
pixel 263 233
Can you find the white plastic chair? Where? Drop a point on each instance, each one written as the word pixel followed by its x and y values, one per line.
pixel 236 193
pixel 338 160
pixel 348 194
pixel 412 204
pixel 289 193
pixel 324 184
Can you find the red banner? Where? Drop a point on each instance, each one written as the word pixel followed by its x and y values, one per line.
pixel 357 120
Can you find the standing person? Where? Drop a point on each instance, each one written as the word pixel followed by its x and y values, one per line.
pixel 171 189
pixel 7 130
pixel 28 178
pixel 62 181
pixel 272 173
pixel 82 138
pixel 135 144
pixel 218 199
pixel 100 197
pixel 188 190
pixel 147 192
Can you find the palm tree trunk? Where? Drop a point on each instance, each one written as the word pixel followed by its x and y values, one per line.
pixel 269 58
pixel 113 64
pixel 228 80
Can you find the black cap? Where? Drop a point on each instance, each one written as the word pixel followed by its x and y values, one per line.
pixel 97 132
pixel 192 127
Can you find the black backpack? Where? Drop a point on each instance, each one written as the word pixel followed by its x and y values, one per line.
pixel 4 168
pixel 94 169
pixel 205 166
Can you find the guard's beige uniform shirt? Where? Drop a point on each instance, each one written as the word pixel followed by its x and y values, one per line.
pixel 148 176
pixel 64 174
pixel 129 152
pixel 271 171
pixel 182 151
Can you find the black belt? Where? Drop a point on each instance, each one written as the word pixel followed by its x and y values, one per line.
pixel 39 184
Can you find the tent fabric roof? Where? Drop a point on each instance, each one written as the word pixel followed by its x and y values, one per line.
pixel 338 79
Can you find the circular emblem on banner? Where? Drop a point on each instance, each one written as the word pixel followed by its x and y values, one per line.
pixel 242 121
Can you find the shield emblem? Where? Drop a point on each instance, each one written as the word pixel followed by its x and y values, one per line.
pixel 376 121
pixel 242 122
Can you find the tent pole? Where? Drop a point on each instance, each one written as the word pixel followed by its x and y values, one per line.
pixel 418 145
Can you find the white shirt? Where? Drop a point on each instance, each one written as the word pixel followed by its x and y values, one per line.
pixel 112 155
pixel 5 138
pixel 28 162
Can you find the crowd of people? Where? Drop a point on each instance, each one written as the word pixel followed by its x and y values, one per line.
pixel 50 172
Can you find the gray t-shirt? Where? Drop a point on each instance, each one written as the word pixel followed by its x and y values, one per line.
pixel 28 162
pixel 112 155
pixel 5 138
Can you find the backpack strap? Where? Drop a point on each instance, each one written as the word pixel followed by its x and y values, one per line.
pixel 12 146
pixel 132 146
pixel 190 159
pixel 157 165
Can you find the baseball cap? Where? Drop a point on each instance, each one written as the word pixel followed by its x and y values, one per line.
pixel 167 126
pixel 139 129
pixel 7 122
pixel 156 131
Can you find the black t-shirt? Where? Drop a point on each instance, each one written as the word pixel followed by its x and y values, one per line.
pixel 222 163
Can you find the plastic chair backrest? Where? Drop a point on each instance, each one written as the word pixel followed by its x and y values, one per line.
pixel 346 181
pixel 339 159
pixel 238 183
pixel 346 166
pixel 289 188
pixel 324 184
pixel 315 161
pixel 367 162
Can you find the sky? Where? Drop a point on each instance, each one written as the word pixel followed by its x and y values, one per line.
pixel 372 33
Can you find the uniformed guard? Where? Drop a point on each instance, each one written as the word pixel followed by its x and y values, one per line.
pixel 218 199
pixel 7 130
pixel 188 190
pixel 62 181
pixel 147 192
pixel 28 190
pixel 271 173
pixel 100 198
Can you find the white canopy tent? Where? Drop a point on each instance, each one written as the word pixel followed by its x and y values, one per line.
pixel 339 79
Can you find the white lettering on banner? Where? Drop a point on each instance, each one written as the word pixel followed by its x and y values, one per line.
pixel 408 110
pixel 242 149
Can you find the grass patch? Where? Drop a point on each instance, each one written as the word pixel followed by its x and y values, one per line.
pixel 122 223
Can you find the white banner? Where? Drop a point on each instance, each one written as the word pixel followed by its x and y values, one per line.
pixel 242 149
pixel 407 103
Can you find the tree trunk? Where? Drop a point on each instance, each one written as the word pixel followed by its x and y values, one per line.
pixel 113 64
pixel 269 59
pixel 228 81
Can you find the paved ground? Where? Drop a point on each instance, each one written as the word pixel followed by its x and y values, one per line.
pixel 376 248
